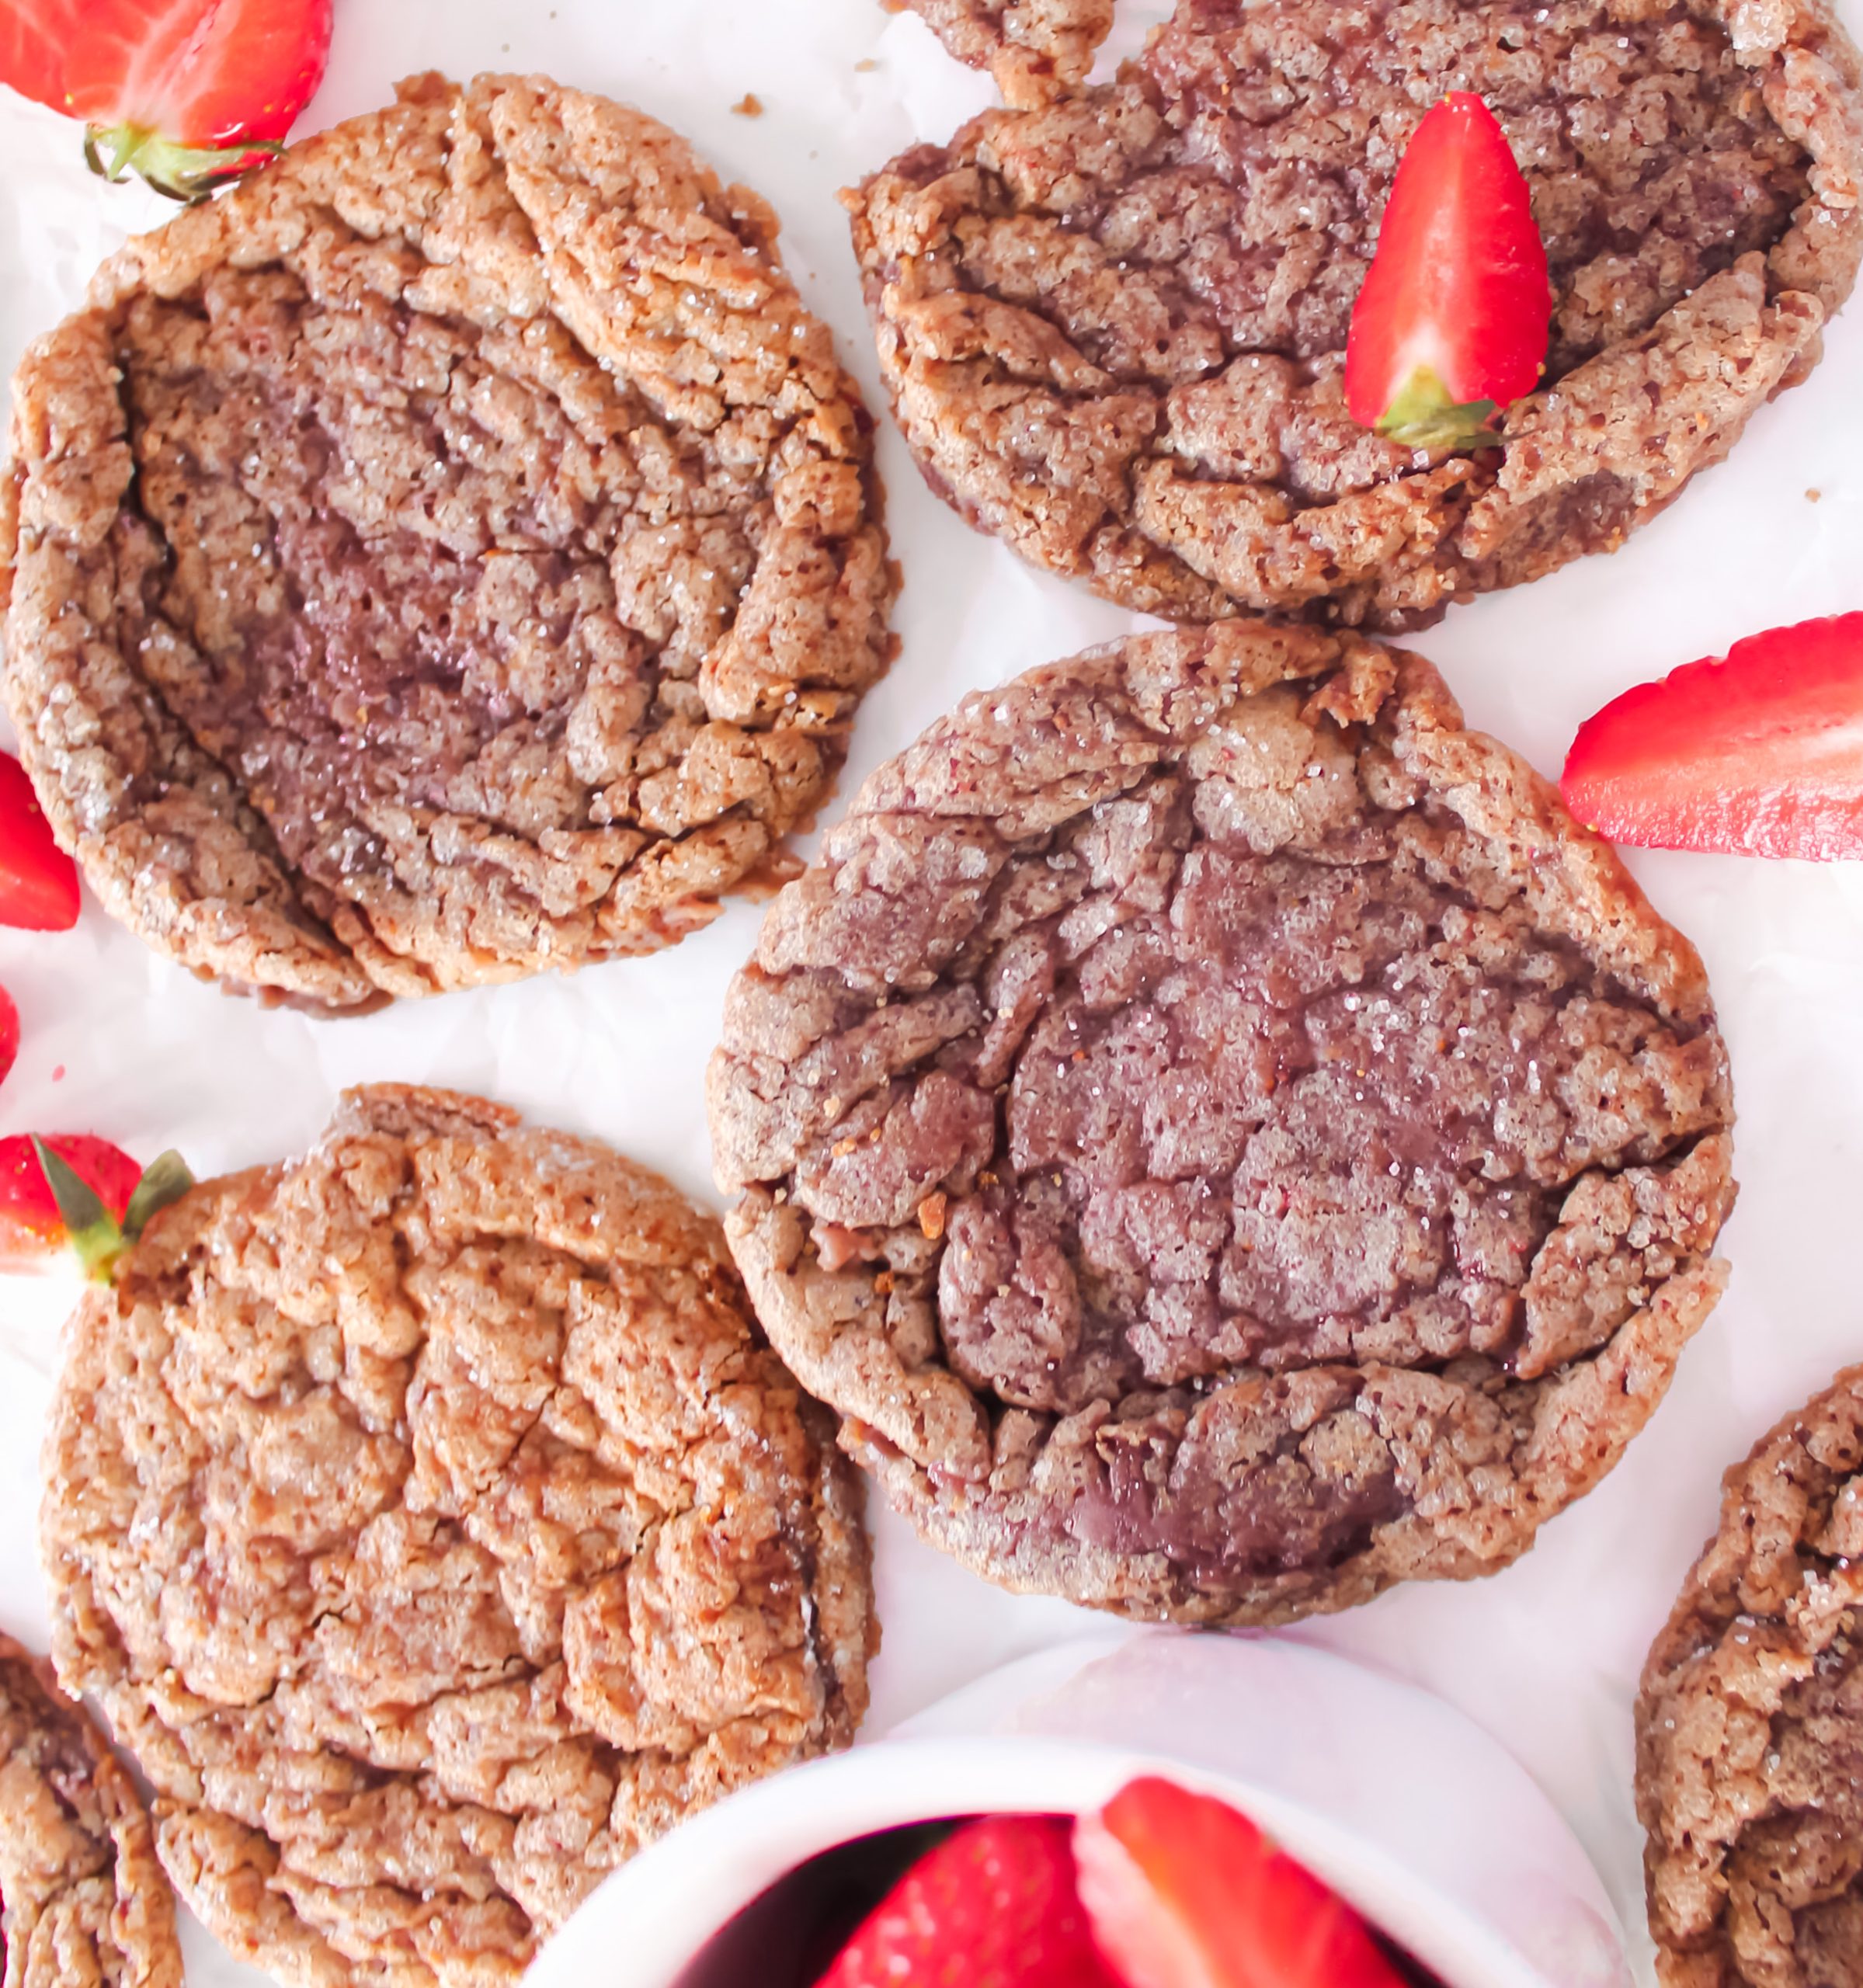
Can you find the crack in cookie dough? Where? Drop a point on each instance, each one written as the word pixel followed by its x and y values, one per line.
pixel 83 1900
pixel 433 1524
pixel 1221 1133
pixel 1749 1723
pixel 1112 326
pixel 453 554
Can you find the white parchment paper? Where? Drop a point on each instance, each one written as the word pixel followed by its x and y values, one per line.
pixel 1546 1655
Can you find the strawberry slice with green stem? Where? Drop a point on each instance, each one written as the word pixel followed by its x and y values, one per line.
pixel 1759 753
pixel 1452 325
pixel 189 93
pixel 1185 1892
pixel 75 1191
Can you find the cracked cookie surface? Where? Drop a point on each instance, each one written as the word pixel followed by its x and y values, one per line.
pixel 434 1527
pixel 1221 1134
pixel 450 555
pixel 1749 1723
pixel 83 1900
pixel 1035 49
pixel 1113 325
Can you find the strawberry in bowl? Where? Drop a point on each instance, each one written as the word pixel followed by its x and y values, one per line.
pixel 998 1900
pixel 1160 1887
pixel 1271 1806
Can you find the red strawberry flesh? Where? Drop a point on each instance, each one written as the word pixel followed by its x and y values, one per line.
pixel 1452 322
pixel 31 1228
pixel 183 90
pixel 1185 1892
pixel 1760 753
pixel 994 1906
pixel 38 881
pixel 9 1033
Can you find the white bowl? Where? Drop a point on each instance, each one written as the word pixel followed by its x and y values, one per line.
pixel 1401 1804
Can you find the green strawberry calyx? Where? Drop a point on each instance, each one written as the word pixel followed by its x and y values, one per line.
pixel 97 1236
pixel 1423 413
pixel 187 173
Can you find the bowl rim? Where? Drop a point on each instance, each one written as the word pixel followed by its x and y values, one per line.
pixel 722 1860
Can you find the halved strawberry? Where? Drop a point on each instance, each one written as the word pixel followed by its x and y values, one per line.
pixel 1184 1892
pixel 9 1033
pixel 75 1191
pixel 993 1905
pixel 38 881
pixel 1759 754
pixel 1452 325
pixel 187 92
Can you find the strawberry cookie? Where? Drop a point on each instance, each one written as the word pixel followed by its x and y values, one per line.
pixel 1221 1134
pixel 451 554
pixel 1115 325
pixel 434 1526
pixel 1749 1724
pixel 83 1900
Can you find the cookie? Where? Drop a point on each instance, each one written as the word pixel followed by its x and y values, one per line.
pixel 433 1524
pixel 1114 326
pixel 1749 1723
pixel 1035 49
pixel 1223 1136
pixel 81 1897
pixel 452 554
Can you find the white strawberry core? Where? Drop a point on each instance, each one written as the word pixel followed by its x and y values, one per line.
pixel 152 85
pixel 1425 348
pixel 1136 1930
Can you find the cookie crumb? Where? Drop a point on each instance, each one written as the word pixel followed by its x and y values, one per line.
pixel 865 64
pixel 1813 496
pixel 931 1216
pixel 748 105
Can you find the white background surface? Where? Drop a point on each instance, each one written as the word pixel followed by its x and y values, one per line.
pixel 1546 1655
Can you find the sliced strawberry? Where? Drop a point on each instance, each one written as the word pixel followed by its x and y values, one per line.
pixel 1760 754
pixel 187 92
pixel 1452 325
pixel 77 1191
pixel 31 1225
pixel 38 881
pixel 9 1033
pixel 1184 1892
pixel 993 1905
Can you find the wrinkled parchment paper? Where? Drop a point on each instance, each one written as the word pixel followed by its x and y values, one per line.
pixel 1546 1655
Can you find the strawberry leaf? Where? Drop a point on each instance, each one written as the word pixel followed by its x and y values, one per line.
pixel 165 1180
pixel 1424 415
pixel 187 173
pixel 94 1231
